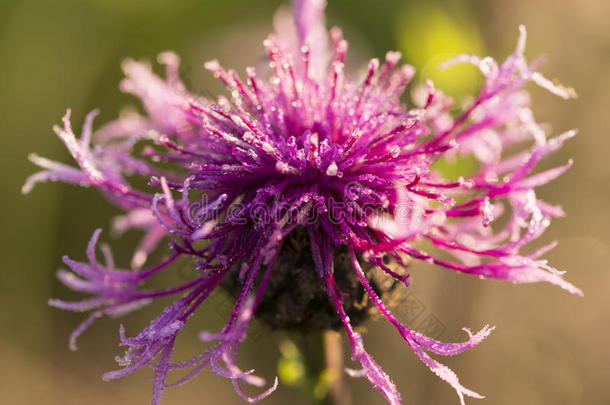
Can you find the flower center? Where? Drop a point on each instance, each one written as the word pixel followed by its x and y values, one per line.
pixel 295 298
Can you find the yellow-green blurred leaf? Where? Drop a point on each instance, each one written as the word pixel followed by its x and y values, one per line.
pixel 428 35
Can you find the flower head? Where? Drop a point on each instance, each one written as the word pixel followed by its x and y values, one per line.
pixel 304 149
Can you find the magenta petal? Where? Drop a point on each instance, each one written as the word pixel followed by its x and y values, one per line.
pixel 304 146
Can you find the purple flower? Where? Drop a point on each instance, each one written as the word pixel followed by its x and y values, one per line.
pixel 303 147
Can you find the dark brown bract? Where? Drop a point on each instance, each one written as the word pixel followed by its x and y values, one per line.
pixel 296 298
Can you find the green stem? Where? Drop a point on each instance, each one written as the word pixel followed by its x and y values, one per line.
pixel 323 357
pixel 314 363
pixel 338 394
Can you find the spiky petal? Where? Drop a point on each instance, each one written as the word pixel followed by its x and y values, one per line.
pixel 311 148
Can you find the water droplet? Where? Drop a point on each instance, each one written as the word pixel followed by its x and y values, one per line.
pixel 332 169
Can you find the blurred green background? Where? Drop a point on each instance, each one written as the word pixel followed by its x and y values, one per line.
pixel 549 347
